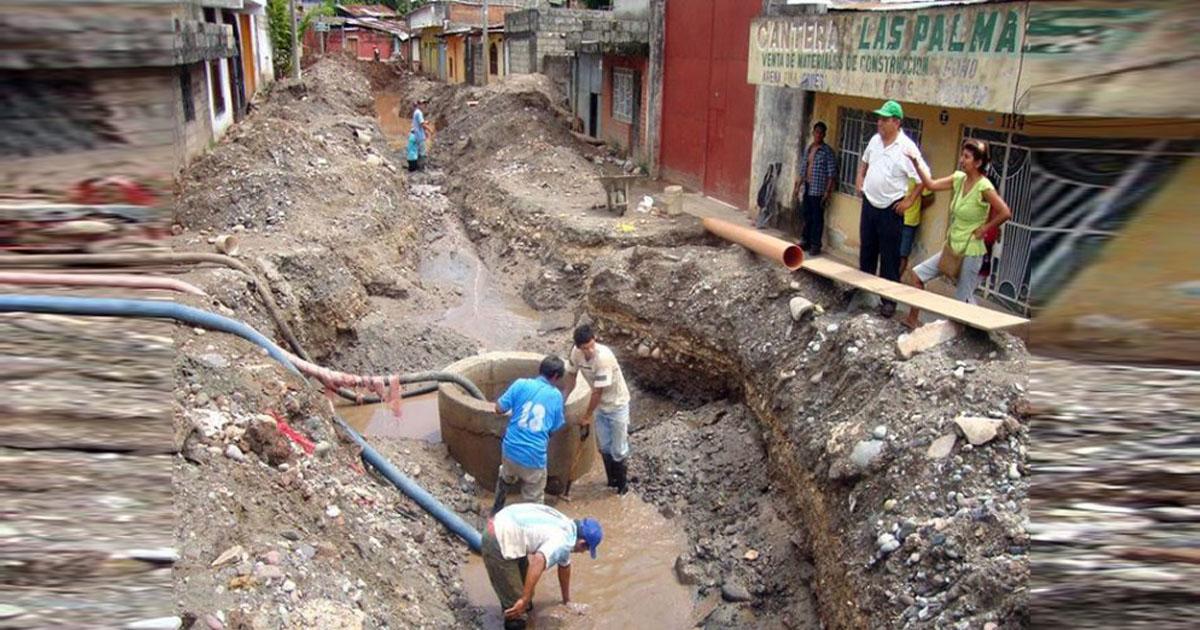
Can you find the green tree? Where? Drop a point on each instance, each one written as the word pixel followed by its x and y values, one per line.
pixel 328 8
pixel 279 24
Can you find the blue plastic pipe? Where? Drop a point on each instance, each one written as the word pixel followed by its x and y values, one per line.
pixel 110 307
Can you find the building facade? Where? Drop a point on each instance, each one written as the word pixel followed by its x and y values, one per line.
pixel 128 92
pixel 1084 104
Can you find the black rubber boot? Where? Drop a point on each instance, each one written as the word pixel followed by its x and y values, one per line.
pixel 621 474
pixel 609 470
pixel 501 496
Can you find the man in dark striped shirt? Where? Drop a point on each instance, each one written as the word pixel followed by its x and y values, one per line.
pixel 818 167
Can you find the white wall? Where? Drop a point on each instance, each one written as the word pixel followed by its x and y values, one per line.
pixel 222 122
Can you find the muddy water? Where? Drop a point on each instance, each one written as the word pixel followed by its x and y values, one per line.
pixel 488 314
pixel 394 124
pixel 418 419
pixel 630 584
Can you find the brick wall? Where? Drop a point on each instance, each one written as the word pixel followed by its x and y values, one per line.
pixel 520 54
pixel 613 131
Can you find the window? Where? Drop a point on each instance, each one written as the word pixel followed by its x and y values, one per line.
pixel 622 95
pixel 214 85
pixel 185 92
pixel 855 128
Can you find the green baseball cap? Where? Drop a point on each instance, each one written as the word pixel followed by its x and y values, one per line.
pixel 891 109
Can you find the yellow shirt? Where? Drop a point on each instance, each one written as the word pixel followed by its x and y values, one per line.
pixel 912 216
pixel 969 212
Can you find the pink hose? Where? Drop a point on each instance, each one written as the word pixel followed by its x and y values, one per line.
pixel 130 281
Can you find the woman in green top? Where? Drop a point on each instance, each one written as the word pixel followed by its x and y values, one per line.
pixel 975 200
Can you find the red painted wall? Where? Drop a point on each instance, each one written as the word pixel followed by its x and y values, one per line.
pixel 367 41
pixel 612 130
pixel 708 107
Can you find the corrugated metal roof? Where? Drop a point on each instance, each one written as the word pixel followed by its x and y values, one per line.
pixel 897 5
pixel 367 10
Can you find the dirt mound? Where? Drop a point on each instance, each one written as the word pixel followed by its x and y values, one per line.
pixel 312 150
pixel 272 535
pixel 515 135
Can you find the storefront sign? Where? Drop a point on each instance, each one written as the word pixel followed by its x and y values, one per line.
pixel 963 57
pixel 1032 58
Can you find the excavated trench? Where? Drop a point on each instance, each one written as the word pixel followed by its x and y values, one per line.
pixel 773 457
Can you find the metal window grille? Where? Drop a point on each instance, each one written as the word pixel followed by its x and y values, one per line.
pixel 622 90
pixel 1069 197
pixel 855 128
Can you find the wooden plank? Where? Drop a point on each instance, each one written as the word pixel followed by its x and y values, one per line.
pixel 961 312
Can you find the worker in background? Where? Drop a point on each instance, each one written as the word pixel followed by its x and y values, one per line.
pixel 524 540
pixel 608 406
pixel 883 175
pixel 420 127
pixel 413 152
pixel 818 168
pixel 536 405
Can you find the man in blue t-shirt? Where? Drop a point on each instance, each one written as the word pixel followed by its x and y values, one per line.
pixel 536 405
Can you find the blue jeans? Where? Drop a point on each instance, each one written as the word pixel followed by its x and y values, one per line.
pixel 908 236
pixel 612 432
pixel 814 221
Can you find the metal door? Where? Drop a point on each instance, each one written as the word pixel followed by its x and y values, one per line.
pixel 708 106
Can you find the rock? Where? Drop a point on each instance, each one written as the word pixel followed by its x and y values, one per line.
pixel 887 543
pixel 866 453
pixel 158 623
pixel 926 337
pixel 979 431
pixel 213 360
pixel 751 555
pixel 267 572
pixel 272 557
pixel 799 308
pixel 330 615
pixel 687 573
pixel 656 353
pixel 213 622
pixel 942 447
pixel 322 448
pixel 735 592
pixel 374 160
pixel 889 505
pixel 229 555
pixel 880 432
pixel 8 611
pixel 643 350
pixel 333 511
pixel 1014 473
pixel 234 453
pixel 289 586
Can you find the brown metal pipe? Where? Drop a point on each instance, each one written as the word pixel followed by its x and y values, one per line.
pixel 128 281
pixel 787 254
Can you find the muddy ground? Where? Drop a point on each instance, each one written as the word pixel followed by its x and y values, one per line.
pixel 814 501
